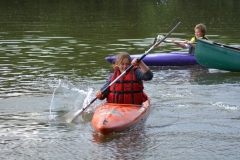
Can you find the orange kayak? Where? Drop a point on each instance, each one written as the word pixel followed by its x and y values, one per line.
pixel 113 117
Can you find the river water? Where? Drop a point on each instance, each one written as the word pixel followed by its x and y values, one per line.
pixel 53 61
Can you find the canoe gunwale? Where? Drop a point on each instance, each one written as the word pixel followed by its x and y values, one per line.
pixel 220 45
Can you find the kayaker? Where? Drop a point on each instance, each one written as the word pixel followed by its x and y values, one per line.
pixel 129 88
pixel 200 31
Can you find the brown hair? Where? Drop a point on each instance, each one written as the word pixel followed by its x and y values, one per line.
pixel 201 27
pixel 120 58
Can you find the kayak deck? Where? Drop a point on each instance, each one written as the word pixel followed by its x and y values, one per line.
pixel 113 117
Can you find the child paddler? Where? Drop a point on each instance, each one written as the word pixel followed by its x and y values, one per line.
pixel 129 88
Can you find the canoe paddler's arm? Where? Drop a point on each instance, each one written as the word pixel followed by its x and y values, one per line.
pixel 182 45
pixel 191 44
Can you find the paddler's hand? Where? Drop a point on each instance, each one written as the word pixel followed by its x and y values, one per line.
pixel 99 94
pixel 135 62
pixel 141 64
pixel 173 41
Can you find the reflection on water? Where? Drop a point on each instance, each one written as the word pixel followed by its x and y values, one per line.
pixel 195 75
pixel 218 77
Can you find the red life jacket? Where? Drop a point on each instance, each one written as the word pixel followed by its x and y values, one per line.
pixel 126 90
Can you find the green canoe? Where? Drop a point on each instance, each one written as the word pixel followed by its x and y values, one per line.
pixel 214 55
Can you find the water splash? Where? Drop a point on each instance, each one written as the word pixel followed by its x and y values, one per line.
pixel 225 106
pixel 72 98
pixel 51 115
pixel 88 97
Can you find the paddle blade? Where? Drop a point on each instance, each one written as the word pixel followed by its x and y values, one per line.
pixel 158 39
pixel 72 115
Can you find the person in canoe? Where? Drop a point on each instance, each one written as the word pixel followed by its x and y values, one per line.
pixel 129 88
pixel 200 31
